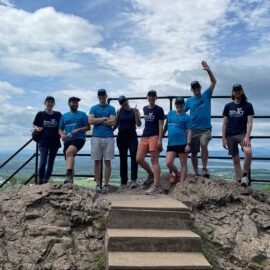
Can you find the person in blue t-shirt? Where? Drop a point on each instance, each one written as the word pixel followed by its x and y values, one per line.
pixel 47 122
pixel 102 116
pixel 72 129
pixel 236 129
pixel 200 114
pixel 178 125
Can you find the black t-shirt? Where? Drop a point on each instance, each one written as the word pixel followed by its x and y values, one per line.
pixel 152 117
pixel 126 121
pixel 50 123
pixel 237 117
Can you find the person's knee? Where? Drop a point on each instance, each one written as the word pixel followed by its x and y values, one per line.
pixel 236 160
pixel 169 164
pixel 139 159
pixel 248 151
pixel 204 147
pixel 107 163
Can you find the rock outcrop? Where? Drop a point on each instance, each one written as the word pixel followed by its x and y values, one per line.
pixel 56 227
pixel 233 221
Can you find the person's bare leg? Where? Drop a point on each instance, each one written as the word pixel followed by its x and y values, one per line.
pixel 204 149
pixel 97 171
pixel 140 158
pixel 108 170
pixel 247 159
pixel 237 167
pixel 183 161
pixel 194 159
pixel 70 157
pixel 156 167
pixel 170 157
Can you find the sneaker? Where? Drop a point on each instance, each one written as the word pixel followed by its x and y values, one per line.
pixel 238 180
pixel 174 179
pixel 105 189
pixel 134 184
pixel 69 178
pixel 154 190
pixel 98 190
pixel 244 181
pixel 149 180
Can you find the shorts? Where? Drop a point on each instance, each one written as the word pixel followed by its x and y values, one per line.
pixel 102 148
pixel 198 137
pixel 148 144
pixel 178 149
pixel 233 142
pixel 78 143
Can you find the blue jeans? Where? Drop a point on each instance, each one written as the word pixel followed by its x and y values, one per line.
pixel 47 157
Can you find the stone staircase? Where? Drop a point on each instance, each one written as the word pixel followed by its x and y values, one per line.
pixel 151 232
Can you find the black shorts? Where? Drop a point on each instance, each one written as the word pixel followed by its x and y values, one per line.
pixel 78 143
pixel 179 149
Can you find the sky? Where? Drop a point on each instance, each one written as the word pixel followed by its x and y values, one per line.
pixel 65 48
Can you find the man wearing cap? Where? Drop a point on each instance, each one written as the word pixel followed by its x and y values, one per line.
pixel 236 129
pixel 151 142
pixel 200 113
pixel 102 116
pixel 47 122
pixel 72 129
pixel 179 137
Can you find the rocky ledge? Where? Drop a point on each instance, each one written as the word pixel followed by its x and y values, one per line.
pixel 234 222
pixel 51 227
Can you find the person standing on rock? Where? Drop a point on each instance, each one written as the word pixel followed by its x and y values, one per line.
pixel 102 116
pixel 178 125
pixel 151 142
pixel 200 113
pixel 236 129
pixel 72 129
pixel 127 119
pixel 47 122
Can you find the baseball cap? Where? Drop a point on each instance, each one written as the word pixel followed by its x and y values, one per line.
pixel 195 84
pixel 152 93
pixel 74 99
pixel 102 92
pixel 237 87
pixel 179 100
pixel 122 100
pixel 49 98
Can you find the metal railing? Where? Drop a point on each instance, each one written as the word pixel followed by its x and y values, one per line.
pixel 170 99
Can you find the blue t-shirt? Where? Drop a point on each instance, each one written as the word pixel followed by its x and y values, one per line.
pixel 50 123
pixel 177 128
pixel 237 117
pixel 102 130
pixel 200 110
pixel 71 121
pixel 152 117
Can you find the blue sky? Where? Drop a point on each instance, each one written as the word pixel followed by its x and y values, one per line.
pixel 66 47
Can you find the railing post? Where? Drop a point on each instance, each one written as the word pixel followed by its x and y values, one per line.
pixel 171 104
pixel 36 165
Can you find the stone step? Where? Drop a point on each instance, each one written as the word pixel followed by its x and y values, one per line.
pixel 157 261
pixel 149 240
pixel 148 212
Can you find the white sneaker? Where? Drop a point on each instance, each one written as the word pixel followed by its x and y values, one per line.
pixel 105 189
pixel 154 190
pixel 244 181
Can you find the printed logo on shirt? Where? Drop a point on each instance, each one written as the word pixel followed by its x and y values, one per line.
pixel 236 113
pixel 149 117
pixel 199 105
pixel 52 123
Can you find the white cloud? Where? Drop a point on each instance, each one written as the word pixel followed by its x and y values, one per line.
pixel 43 43
pixel 7 90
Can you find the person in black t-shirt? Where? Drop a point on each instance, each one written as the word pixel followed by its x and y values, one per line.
pixel 236 129
pixel 127 119
pixel 47 122
pixel 151 142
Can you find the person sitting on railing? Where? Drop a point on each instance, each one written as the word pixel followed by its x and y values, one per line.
pixel 200 114
pixel 102 116
pixel 179 136
pixel 72 129
pixel 127 119
pixel 151 142
pixel 47 122
pixel 236 129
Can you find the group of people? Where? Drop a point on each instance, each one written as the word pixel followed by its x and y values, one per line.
pixel 187 133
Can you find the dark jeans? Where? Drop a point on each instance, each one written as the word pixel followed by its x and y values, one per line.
pixel 127 142
pixel 47 157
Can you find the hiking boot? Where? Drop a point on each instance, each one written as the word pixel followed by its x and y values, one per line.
pixel 154 190
pixel 98 190
pixel 174 179
pixel 69 178
pixel 244 181
pixel 134 184
pixel 105 189
pixel 149 180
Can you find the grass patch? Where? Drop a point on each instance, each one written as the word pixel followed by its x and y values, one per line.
pixel 100 260
pixel 101 223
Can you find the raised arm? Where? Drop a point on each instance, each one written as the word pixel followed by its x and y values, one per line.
pixel 137 116
pixel 211 75
pixel 224 128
